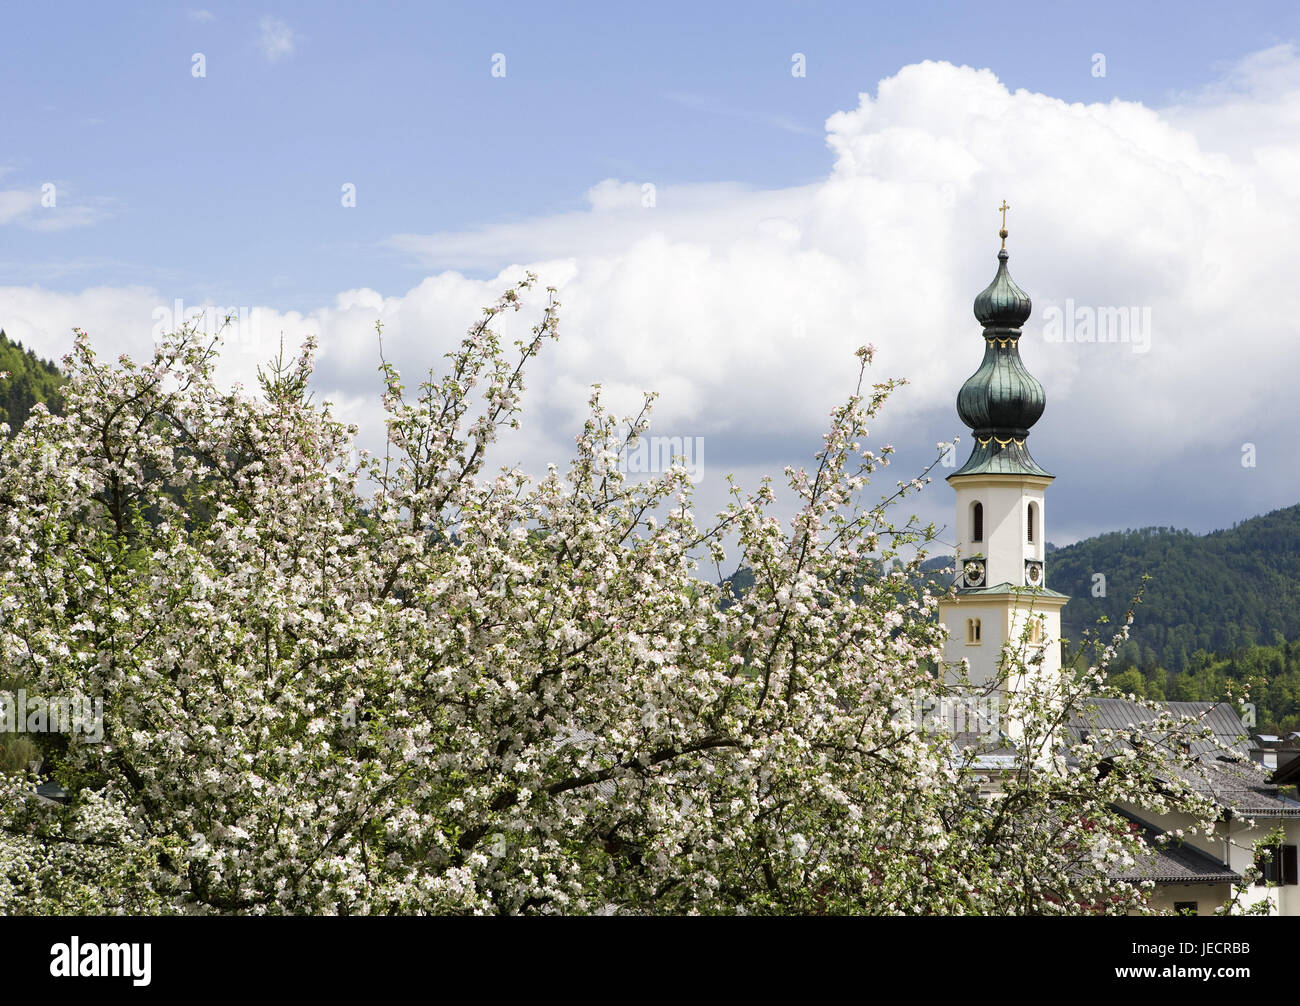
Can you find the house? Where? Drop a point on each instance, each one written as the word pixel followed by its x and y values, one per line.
pixel 1197 873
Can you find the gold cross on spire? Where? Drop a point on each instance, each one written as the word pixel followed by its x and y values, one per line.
pixel 1003 233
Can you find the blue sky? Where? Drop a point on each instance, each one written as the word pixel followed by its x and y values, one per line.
pixel 229 184
pixel 226 189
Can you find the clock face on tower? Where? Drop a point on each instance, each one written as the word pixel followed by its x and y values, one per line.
pixel 1033 572
pixel 973 573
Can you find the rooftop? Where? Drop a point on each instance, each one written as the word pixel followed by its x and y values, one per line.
pixel 1173 861
pixel 1222 767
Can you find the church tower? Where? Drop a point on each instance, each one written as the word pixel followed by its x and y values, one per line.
pixel 1001 588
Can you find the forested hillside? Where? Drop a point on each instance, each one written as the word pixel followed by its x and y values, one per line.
pixel 30 380
pixel 1220 592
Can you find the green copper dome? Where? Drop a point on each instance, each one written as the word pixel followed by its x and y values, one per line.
pixel 1001 395
pixel 1002 304
pixel 1001 400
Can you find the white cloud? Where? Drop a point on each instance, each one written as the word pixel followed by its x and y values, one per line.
pixel 274 38
pixel 202 16
pixel 743 306
pixel 1112 205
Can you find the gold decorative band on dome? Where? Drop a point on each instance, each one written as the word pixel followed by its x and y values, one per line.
pixel 1019 442
pixel 1013 339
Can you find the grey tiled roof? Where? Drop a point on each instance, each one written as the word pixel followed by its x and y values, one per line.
pixel 1174 862
pixel 1125 716
pixel 1236 784
pixel 1219 717
pixel 1242 788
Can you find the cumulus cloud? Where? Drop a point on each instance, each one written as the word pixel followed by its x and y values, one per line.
pixel 743 306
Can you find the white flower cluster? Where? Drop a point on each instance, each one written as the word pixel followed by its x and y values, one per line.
pixel 400 684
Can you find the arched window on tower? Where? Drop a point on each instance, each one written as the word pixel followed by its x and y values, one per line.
pixel 977 522
pixel 1030 517
pixel 973 631
pixel 1036 631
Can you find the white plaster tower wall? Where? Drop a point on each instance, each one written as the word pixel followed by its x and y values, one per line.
pixel 1005 542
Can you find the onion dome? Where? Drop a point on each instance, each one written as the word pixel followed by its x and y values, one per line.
pixel 1002 304
pixel 1001 400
